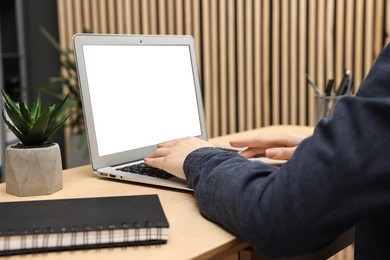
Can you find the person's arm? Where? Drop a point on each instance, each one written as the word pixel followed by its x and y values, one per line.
pixel 336 177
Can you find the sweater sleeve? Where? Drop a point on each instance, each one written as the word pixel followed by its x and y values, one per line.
pixel 335 178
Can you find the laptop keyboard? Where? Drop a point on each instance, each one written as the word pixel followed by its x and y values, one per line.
pixel 144 169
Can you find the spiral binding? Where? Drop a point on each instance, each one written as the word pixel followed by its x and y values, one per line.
pixel 86 236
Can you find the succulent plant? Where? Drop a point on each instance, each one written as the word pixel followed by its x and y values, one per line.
pixel 33 125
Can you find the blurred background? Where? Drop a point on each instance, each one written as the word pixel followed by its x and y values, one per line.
pixel 253 55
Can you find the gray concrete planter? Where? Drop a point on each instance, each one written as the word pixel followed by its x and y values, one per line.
pixel 33 171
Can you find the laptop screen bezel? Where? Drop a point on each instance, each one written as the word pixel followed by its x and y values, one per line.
pixel 80 40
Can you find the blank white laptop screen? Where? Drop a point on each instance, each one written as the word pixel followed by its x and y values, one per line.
pixel 140 95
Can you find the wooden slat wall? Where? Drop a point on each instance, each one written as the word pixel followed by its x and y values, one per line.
pixel 252 54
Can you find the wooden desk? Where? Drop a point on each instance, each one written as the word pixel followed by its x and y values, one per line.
pixel 277 129
pixel 190 235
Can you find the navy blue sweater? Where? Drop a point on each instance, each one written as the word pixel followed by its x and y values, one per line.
pixel 339 177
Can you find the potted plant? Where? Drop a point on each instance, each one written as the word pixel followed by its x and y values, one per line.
pixel 33 166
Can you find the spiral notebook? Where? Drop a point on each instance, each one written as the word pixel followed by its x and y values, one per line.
pixel 70 224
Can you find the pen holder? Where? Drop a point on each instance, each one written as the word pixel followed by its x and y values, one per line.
pixel 325 106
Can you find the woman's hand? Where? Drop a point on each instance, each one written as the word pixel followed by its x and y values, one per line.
pixel 170 156
pixel 277 147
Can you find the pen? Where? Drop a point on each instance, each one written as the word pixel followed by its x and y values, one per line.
pixel 329 86
pixel 344 83
pixel 348 90
pixel 314 86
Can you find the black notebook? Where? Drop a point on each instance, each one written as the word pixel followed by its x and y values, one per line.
pixel 69 224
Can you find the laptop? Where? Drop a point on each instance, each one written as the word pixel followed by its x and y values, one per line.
pixel 137 91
